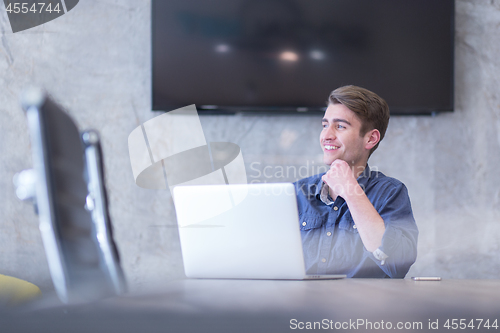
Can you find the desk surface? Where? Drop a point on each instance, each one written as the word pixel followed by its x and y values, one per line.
pixel 260 305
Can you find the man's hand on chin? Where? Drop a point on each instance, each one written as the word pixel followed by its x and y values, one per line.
pixel 340 179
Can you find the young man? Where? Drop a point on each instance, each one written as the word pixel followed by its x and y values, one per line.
pixel 353 220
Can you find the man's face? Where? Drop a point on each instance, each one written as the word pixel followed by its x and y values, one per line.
pixel 340 137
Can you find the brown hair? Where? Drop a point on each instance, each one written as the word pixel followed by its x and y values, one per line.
pixel 370 108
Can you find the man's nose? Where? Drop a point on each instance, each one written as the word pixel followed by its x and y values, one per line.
pixel 329 133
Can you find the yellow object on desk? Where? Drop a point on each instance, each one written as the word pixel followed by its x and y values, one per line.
pixel 14 291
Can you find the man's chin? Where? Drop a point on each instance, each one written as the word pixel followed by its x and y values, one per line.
pixel 329 160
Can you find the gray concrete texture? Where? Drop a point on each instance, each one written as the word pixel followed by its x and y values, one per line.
pixel 95 62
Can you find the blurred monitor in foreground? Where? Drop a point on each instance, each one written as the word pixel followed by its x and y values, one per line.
pixel 66 185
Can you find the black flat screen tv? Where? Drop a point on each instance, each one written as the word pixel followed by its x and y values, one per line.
pixel 286 56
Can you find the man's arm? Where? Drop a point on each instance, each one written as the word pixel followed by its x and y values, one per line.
pixel 368 221
pixel 389 228
pixel 400 237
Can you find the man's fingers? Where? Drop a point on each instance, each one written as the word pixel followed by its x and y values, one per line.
pixel 338 164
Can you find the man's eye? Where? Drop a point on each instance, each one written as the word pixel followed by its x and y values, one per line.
pixel 325 125
pixel 340 126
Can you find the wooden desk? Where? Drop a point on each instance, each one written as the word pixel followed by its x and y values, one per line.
pixel 280 306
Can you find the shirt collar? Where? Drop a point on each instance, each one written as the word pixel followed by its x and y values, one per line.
pixel 324 196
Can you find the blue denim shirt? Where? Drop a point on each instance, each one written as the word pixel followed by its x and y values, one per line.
pixel 330 237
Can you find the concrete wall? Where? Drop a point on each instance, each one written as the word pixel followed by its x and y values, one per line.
pixel 95 61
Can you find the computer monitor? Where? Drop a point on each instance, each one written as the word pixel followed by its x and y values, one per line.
pixel 82 256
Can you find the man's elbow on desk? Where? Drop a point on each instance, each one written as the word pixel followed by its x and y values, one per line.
pixel 397 253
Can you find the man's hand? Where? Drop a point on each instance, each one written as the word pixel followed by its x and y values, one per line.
pixel 341 180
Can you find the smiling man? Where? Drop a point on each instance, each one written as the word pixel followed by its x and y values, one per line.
pixel 354 220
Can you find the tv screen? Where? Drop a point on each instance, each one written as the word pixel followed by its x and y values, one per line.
pixel 288 55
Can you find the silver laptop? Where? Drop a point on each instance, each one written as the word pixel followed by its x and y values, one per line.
pixel 241 232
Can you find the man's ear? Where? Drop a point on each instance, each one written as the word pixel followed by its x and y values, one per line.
pixel 372 138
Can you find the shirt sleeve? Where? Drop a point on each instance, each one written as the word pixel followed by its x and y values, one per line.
pixel 399 243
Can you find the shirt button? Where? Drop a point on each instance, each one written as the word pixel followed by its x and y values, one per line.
pixel 328 233
pixel 323 260
pixel 304 224
pixel 335 208
pixel 355 226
